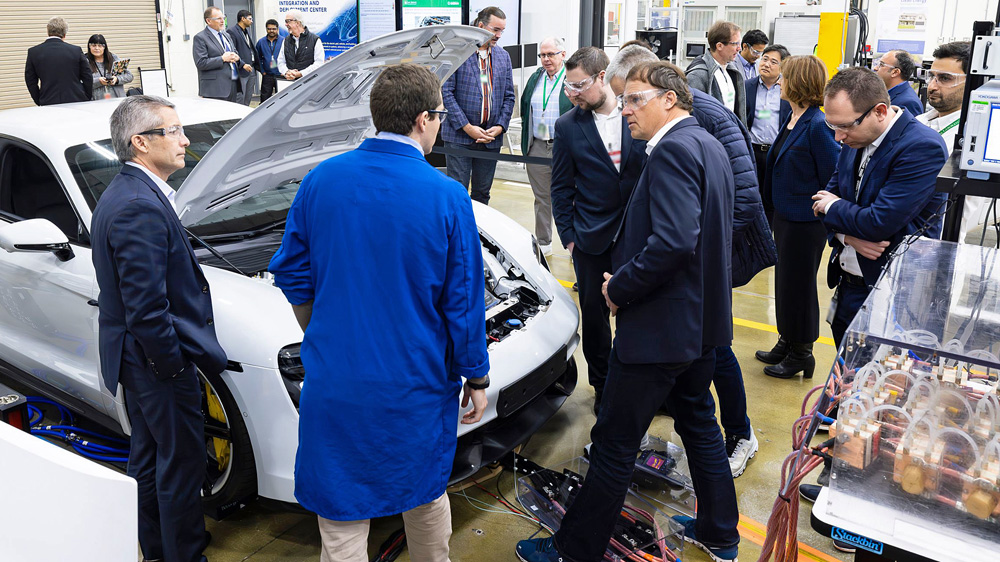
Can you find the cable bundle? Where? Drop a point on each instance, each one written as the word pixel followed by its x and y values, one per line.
pixel 782 525
pixel 111 449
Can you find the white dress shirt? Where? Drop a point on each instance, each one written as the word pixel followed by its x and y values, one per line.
pixel 385 135
pixel 849 257
pixel 319 55
pixel 727 87
pixel 651 143
pixel 975 208
pixel 610 128
pixel 165 188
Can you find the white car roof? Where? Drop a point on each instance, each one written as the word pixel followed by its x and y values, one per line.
pixel 54 128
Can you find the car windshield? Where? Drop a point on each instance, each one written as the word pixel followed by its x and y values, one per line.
pixel 94 165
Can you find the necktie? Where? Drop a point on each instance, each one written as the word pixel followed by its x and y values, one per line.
pixel 228 47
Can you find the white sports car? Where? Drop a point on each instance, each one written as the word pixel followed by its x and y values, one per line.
pixel 243 169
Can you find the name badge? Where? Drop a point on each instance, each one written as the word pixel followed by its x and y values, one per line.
pixel 483 78
pixel 542 131
pixel 764 114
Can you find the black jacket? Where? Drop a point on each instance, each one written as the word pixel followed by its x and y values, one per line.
pixel 246 51
pixel 63 71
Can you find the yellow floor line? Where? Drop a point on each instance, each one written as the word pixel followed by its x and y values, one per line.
pixel 738 321
pixel 755 533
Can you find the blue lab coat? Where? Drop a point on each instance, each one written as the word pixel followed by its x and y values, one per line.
pixel 387 249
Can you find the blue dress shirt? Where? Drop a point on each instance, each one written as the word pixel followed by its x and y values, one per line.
pixel 765 131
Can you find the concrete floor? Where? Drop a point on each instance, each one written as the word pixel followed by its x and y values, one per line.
pixel 261 535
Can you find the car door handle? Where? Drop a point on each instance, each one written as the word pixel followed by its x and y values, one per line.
pixel 92 302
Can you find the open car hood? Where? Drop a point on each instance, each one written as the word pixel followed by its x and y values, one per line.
pixel 321 115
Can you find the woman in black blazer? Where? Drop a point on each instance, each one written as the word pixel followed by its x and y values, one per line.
pixel 799 163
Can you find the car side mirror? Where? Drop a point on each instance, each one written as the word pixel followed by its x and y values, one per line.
pixel 35 235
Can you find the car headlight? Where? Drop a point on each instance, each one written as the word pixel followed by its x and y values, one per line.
pixel 292 371
pixel 539 255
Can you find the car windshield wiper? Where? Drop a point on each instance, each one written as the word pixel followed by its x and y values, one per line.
pixel 244 234
pixel 215 252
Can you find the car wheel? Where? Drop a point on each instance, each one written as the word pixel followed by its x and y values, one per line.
pixel 231 474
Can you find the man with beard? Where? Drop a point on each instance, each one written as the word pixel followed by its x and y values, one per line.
pixel 268 50
pixel 945 88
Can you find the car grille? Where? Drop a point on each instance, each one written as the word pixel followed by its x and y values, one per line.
pixel 515 395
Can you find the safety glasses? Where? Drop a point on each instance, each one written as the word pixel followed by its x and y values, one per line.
pixel 638 100
pixel 944 79
pixel 854 123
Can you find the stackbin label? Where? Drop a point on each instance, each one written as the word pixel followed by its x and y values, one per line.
pixel 859 541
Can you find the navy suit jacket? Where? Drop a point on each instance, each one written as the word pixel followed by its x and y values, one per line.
pixel 588 193
pixel 63 71
pixel 802 167
pixel 672 254
pixel 155 304
pixel 785 108
pixel 904 96
pixel 463 98
pixel 897 196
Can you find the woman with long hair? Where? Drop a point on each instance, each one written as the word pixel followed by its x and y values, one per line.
pixel 107 84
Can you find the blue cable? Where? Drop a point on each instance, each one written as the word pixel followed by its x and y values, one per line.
pixel 75 429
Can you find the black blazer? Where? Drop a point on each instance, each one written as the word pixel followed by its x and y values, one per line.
pixel 247 52
pixel 783 113
pixel 588 193
pixel 155 304
pixel 671 258
pixel 63 71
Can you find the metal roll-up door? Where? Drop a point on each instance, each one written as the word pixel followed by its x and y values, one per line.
pixel 129 26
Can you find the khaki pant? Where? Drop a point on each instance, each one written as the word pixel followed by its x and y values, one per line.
pixel 540 177
pixel 428 528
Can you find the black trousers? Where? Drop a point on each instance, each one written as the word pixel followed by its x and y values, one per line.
pixel 796 301
pixel 760 158
pixel 595 315
pixel 633 394
pixel 268 86
pixel 850 299
pixel 167 460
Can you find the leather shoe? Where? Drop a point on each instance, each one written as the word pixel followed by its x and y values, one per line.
pixel 799 360
pixel 777 353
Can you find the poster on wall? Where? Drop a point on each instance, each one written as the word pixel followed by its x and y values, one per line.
pixel 334 21
pixel 376 18
pixel 511 9
pixel 902 24
pixel 421 13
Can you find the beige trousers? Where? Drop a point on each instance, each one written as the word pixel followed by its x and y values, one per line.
pixel 428 528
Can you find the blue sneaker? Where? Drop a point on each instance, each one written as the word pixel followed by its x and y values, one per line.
pixel 718 554
pixel 538 550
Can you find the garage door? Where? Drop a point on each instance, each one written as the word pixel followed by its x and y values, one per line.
pixel 128 25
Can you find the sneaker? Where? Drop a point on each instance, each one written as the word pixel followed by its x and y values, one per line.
pixel 809 492
pixel 718 554
pixel 844 547
pixel 740 451
pixel 537 550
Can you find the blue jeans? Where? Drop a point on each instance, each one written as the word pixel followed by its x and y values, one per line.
pixel 728 381
pixel 479 171
pixel 632 395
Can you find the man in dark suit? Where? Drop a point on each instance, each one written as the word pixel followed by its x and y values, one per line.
pixel 882 189
pixel 766 111
pixel 479 109
pixel 62 69
pixel 243 41
pixel 896 68
pixel 671 261
pixel 595 164
pixel 216 59
pixel 156 327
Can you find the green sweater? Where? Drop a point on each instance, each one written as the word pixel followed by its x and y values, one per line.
pixel 529 90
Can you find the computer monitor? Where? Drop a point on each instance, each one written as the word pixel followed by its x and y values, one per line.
pixel 694 50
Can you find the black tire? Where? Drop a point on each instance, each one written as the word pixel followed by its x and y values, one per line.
pixel 232 479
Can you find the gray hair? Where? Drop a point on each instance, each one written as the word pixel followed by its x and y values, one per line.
pixel 57 27
pixel 294 15
pixel 626 59
pixel 134 115
pixel 557 42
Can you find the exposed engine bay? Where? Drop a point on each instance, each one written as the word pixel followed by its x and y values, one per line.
pixel 510 299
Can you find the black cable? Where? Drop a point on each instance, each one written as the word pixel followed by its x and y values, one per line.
pixel 992 208
pixel 392 547
pixel 504 498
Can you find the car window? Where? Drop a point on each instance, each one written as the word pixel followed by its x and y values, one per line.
pixel 29 189
pixel 94 164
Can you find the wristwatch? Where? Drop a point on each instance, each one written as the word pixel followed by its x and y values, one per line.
pixel 479 385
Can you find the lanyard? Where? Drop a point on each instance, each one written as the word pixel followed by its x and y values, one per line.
pixel 547 96
pixel 948 128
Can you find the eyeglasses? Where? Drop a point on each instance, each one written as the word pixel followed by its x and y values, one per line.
pixel 770 60
pixel 101 45
pixel 219 18
pixel 441 113
pixel 638 100
pixel 495 30
pixel 755 52
pixel 736 44
pixel 880 63
pixel 944 79
pixel 290 21
pixel 550 55
pixel 577 87
pixel 175 131
pixel 854 123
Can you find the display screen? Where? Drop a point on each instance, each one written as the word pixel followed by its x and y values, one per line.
pixel 421 13
pixel 991 154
